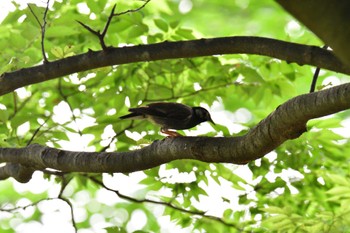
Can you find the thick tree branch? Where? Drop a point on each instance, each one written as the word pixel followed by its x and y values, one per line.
pixel 329 20
pixel 291 52
pixel 20 173
pixel 288 121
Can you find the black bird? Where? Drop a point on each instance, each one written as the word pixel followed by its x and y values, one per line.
pixel 170 116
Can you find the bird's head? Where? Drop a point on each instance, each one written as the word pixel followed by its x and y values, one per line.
pixel 202 114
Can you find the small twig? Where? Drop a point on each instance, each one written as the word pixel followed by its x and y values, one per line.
pixel 26 206
pixel 14 94
pixel 10 210
pixel 64 184
pixel 37 131
pixel 22 105
pixel 315 77
pixel 97 33
pixel 36 18
pixel 42 28
pixel 101 36
pixel 132 10
pixel 200 213
pixel 69 203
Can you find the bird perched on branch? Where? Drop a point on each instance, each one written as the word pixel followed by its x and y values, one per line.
pixel 170 116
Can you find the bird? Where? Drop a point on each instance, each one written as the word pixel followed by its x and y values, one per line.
pixel 170 116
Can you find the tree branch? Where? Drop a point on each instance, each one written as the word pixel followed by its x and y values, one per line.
pixel 20 173
pixel 288 121
pixel 291 52
pixel 328 20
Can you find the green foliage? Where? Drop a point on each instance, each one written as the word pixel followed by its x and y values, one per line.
pixel 303 186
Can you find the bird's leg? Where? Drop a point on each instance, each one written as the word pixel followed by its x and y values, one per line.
pixel 170 133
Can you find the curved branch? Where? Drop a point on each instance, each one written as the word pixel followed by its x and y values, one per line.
pixel 288 121
pixel 291 52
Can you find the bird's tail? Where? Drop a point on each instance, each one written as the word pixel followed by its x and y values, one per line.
pixel 133 116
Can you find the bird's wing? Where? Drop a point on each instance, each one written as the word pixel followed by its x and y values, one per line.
pixel 168 110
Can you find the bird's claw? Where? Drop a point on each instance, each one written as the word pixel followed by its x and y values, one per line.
pixel 171 134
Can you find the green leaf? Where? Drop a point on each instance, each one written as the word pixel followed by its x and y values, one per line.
pixel 161 24
pixel 60 31
pixel 137 31
pixel 274 210
pixel 115 230
pixel 338 179
pixel 4 115
pixel 339 190
pixel 184 33
pixel 57 52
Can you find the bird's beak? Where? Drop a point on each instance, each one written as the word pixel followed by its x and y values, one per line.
pixel 212 121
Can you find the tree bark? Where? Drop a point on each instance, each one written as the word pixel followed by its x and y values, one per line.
pixel 290 52
pixel 288 121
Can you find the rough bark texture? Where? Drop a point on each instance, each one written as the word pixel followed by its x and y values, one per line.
pixel 291 52
pixel 288 121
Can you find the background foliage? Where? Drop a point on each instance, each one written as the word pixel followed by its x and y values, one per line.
pixel 303 186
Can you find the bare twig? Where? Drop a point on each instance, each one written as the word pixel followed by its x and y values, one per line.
pixel 69 203
pixel 14 209
pixel 102 35
pixel 64 184
pixel 10 210
pixel 42 28
pixel 315 77
pixel 37 131
pixel 97 33
pixel 132 10
pixel 166 204
pixel 22 105
pixel 14 95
